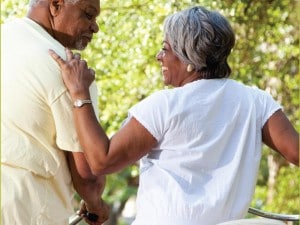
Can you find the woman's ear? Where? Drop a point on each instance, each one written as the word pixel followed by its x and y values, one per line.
pixel 55 6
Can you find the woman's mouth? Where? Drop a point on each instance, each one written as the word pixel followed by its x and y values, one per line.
pixel 164 68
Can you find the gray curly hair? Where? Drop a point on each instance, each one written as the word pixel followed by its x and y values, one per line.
pixel 202 38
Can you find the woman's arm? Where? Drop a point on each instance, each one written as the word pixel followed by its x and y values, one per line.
pixel 104 155
pixel 128 145
pixel 280 135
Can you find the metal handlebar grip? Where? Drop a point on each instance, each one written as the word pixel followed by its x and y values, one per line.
pixel 275 216
pixel 75 219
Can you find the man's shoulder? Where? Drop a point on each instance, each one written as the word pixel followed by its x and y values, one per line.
pixel 12 24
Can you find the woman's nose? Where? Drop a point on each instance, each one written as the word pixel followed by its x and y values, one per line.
pixel 159 55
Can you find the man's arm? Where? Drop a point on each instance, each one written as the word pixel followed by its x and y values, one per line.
pixel 88 186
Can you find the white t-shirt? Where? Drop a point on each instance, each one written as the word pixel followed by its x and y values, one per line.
pixel 203 170
pixel 37 125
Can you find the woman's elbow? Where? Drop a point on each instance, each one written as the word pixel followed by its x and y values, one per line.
pixel 104 167
pixel 98 170
pixel 294 156
pixel 294 152
pixel 98 167
pixel 291 152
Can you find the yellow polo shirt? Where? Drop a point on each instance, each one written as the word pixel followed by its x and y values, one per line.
pixel 36 128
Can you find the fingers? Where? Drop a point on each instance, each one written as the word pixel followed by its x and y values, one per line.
pixel 77 56
pixel 69 54
pixel 92 72
pixel 56 57
pixel 82 209
pixel 97 216
pixel 73 64
pixel 69 57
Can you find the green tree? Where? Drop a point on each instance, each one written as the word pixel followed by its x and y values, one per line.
pixel 123 54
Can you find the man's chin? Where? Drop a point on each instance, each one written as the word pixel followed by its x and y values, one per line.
pixel 80 48
pixel 81 45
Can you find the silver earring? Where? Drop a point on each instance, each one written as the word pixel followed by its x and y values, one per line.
pixel 190 68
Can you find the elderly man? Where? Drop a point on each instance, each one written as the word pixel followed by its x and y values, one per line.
pixel 42 161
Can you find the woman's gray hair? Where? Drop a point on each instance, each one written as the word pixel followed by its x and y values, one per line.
pixel 202 38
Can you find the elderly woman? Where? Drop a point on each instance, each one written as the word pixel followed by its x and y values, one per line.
pixel 199 142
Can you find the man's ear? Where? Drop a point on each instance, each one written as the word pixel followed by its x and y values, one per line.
pixel 55 6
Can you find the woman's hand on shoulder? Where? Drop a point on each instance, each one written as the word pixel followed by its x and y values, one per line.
pixel 76 74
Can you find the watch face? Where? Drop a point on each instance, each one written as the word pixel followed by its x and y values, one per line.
pixel 78 103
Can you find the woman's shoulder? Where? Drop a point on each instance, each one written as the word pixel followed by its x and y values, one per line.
pixel 251 88
pixel 258 95
pixel 161 94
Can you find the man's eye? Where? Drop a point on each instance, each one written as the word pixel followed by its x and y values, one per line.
pixel 89 16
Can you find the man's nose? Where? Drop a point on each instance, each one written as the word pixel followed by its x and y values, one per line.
pixel 94 27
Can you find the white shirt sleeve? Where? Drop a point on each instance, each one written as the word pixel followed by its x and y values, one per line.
pixel 266 105
pixel 151 113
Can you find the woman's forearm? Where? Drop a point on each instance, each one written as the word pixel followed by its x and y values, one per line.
pixel 92 137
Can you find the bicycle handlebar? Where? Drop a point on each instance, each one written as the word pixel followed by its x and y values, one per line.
pixel 283 217
pixel 275 216
pixel 75 219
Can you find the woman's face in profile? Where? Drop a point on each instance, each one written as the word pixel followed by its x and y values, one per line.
pixel 173 70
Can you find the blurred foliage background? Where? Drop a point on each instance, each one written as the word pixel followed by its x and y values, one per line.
pixel 123 54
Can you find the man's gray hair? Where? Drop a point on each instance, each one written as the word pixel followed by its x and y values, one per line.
pixel 202 38
pixel 33 2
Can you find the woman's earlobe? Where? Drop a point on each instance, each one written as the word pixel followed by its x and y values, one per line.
pixel 190 68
